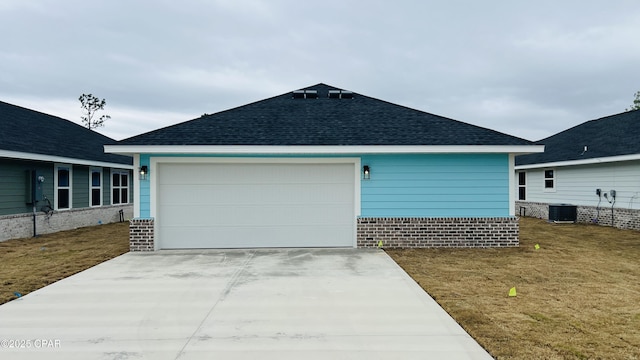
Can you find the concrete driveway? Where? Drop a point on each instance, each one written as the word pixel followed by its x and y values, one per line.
pixel 235 304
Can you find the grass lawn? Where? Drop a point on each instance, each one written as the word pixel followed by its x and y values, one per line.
pixel 29 264
pixel 578 296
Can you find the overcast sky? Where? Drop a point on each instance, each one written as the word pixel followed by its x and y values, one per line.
pixel 526 68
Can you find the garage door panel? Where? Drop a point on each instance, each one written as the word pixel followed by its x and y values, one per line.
pixel 226 205
pixel 231 237
pixel 223 195
pixel 254 174
pixel 204 216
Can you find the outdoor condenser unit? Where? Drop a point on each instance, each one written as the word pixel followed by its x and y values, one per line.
pixel 563 212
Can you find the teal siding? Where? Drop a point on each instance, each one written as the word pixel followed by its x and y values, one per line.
pixel 145 189
pixel 13 185
pixel 415 185
pixel 436 185
pixel 80 186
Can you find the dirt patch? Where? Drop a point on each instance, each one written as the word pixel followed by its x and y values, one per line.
pixel 578 295
pixel 31 263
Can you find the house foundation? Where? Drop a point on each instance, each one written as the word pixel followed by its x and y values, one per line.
pixel 21 225
pixel 438 232
pixel 603 215
pixel 396 232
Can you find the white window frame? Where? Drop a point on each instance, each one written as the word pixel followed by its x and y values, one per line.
pixel 522 186
pixel 120 187
pixel 57 187
pixel 554 179
pixel 92 187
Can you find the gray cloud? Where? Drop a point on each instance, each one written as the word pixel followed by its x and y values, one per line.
pixel 529 70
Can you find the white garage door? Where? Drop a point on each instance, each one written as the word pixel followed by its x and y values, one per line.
pixel 239 205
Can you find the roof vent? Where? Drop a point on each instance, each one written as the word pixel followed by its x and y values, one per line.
pixel 340 94
pixel 305 94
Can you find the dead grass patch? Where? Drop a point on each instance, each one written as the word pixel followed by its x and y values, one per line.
pixel 31 263
pixel 578 296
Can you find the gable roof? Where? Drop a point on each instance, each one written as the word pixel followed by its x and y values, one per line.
pixel 615 135
pixel 286 120
pixel 25 132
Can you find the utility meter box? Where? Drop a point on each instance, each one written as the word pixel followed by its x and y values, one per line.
pixel 33 182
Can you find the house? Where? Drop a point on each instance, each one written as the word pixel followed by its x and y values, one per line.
pixel 323 167
pixel 594 167
pixel 54 175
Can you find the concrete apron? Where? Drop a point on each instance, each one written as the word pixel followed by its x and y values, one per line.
pixel 235 304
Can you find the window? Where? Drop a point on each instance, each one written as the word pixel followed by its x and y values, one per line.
pixel 62 182
pixel 119 187
pixel 95 187
pixel 549 180
pixel 522 185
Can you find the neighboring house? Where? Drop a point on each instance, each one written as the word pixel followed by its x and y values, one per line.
pixel 323 167
pixel 594 166
pixel 58 171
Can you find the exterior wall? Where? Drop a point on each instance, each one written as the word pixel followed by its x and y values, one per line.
pixel 21 225
pixel 427 200
pixel 438 232
pixel 427 185
pixel 13 184
pixel 80 186
pixel 622 218
pixel 16 216
pixel 436 185
pixel 577 185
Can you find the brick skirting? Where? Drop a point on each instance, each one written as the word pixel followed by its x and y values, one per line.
pixel 438 232
pixel 141 236
pixel 622 218
pixel 21 225
pixel 396 232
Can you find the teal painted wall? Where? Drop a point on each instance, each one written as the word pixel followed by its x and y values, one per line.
pixel 145 189
pixel 420 185
pixel 436 185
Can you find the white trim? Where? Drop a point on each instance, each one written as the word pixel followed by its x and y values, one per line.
pixel 512 186
pixel 599 160
pixel 545 179
pixel 59 159
pixel 360 149
pixel 518 185
pixel 93 169
pixel 120 172
pixel 56 198
pixel 154 173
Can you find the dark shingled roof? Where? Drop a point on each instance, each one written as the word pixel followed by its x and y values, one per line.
pixel 285 120
pixel 608 136
pixel 29 131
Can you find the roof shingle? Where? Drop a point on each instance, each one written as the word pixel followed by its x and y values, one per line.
pixel 608 136
pixel 29 131
pixel 285 120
